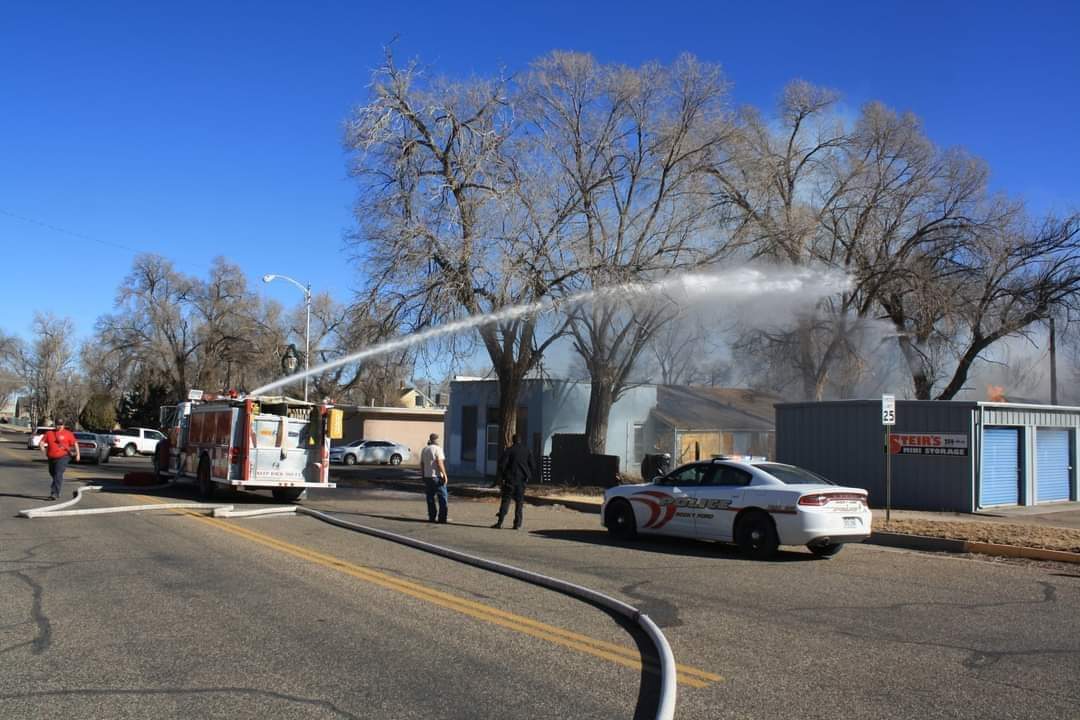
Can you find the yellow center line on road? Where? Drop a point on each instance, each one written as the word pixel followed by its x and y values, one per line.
pixel 618 654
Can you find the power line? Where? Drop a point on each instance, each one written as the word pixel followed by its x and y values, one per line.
pixel 65 231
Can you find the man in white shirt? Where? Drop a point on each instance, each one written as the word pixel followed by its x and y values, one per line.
pixel 432 463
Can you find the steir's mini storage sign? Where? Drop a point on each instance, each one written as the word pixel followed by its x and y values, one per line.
pixel 928 444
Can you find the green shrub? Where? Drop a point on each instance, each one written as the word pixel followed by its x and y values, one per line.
pixel 99 415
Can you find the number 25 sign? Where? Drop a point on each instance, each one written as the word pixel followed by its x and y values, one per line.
pixel 888 409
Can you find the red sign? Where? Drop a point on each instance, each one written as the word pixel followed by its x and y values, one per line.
pixel 928 444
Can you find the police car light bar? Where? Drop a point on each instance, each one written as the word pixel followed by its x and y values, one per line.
pixel 742 458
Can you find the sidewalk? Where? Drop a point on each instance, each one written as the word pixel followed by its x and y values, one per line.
pixel 1047 532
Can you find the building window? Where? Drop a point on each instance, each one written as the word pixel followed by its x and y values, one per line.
pixel 639 443
pixel 492 442
pixel 468 433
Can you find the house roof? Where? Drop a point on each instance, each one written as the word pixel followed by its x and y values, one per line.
pixel 422 413
pixel 709 408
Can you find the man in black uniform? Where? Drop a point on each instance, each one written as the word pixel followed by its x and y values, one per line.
pixel 516 469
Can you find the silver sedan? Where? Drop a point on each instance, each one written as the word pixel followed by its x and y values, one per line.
pixel 370 451
pixel 93 448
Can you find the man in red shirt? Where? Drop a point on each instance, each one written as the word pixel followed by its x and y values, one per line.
pixel 59 445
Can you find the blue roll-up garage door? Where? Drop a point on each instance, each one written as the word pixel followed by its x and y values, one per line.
pixel 1000 477
pixel 1052 471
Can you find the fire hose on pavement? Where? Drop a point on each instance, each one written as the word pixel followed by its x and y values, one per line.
pixel 666 703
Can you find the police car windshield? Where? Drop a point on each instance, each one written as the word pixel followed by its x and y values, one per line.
pixel 791 475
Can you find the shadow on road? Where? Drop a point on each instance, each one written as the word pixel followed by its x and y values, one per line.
pixel 183 492
pixel 25 497
pixel 667 546
pixel 402 518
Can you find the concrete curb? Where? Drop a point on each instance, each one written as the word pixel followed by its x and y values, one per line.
pixel 916 542
pixel 933 544
pixel 1018 551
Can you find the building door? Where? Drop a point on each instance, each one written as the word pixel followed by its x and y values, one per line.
pixel 1053 471
pixel 999 482
pixel 720 491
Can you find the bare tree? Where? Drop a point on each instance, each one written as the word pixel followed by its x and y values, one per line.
pixel 107 370
pixel 46 366
pixel 686 351
pixel 1007 277
pixel 10 381
pixel 634 145
pixel 877 200
pixel 156 321
pixel 779 179
pixel 445 225
pixel 190 332
pixel 338 330
pixel 226 316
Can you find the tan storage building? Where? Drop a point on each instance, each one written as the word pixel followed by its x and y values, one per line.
pixel 408 426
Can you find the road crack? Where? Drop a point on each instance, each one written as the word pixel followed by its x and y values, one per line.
pixel 178 692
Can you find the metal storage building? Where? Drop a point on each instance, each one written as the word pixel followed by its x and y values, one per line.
pixel 946 455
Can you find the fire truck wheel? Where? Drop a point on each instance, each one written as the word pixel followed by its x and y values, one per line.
pixel 206 485
pixel 395 459
pixel 288 494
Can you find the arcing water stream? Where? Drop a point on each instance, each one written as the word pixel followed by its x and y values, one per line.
pixel 740 284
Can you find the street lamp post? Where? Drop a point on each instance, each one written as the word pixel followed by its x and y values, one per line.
pixel 307 325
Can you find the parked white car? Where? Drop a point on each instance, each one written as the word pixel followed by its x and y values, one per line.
pixel 757 505
pixel 370 451
pixel 135 441
pixel 34 441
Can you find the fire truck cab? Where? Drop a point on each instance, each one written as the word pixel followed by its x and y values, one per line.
pixel 253 442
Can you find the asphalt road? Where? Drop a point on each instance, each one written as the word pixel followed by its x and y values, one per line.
pixel 165 614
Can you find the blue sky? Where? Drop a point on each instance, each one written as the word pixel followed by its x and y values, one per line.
pixel 201 129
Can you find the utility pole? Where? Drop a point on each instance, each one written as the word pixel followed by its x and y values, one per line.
pixel 1053 365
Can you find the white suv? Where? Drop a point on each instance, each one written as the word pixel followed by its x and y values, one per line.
pixel 135 441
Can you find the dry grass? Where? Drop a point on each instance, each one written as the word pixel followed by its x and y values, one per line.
pixel 566 492
pixel 1036 536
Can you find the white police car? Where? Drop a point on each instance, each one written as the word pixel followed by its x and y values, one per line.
pixel 758 505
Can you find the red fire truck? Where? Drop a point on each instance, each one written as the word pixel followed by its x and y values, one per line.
pixel 248 443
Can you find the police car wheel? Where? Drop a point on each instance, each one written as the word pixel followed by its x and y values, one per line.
pixel 129 450
pixel 395 459
pixel 826 551
pixel 620 521
pixel 349 459
pixel 756 536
